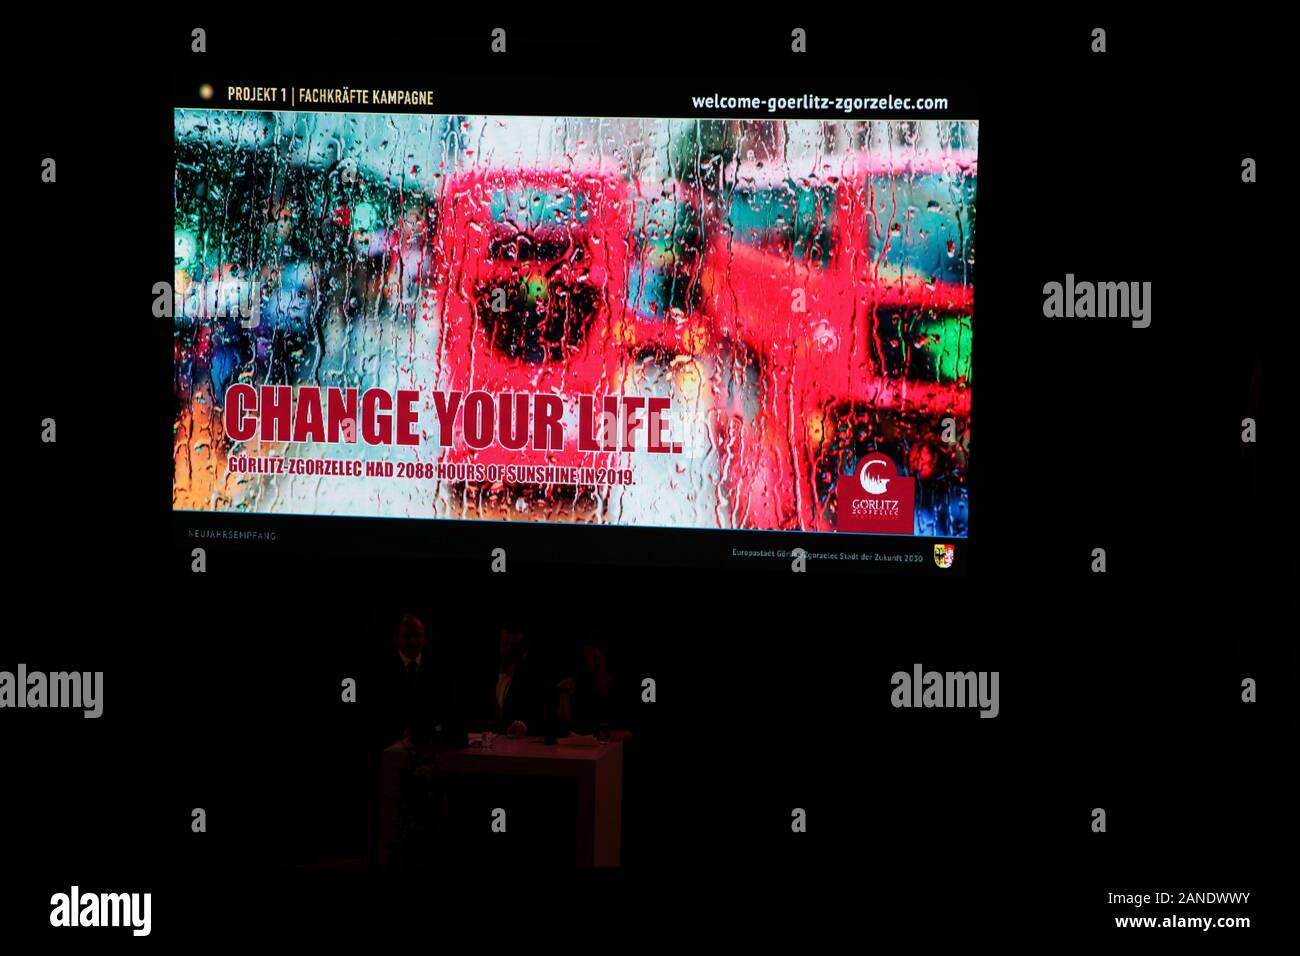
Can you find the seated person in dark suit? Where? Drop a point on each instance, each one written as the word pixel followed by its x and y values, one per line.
pixel 596 697
pixel 523 699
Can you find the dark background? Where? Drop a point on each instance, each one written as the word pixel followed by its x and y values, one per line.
pixel 1119 690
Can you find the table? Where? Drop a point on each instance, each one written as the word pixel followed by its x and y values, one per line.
pixel 598 771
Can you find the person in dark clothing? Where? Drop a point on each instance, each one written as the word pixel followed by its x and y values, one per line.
pixel 418 712
pixel 598 699
pixel 416 702
pixel 523 699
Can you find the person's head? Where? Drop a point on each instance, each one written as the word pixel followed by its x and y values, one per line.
pixel 512 643
pixel 409 636
pixel 593 657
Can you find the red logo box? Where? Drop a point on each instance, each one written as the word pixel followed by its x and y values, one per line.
pixel 876 498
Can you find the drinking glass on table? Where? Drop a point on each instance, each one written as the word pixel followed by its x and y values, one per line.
pixel 603 731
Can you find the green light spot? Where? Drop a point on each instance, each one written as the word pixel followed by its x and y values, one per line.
pixel 364 217
pixel 535 288
pixel 947 346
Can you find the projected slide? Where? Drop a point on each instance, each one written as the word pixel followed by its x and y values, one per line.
pixel 720 324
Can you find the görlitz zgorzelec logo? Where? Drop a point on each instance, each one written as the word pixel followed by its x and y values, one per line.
pixel 876 498
pixel 943 555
